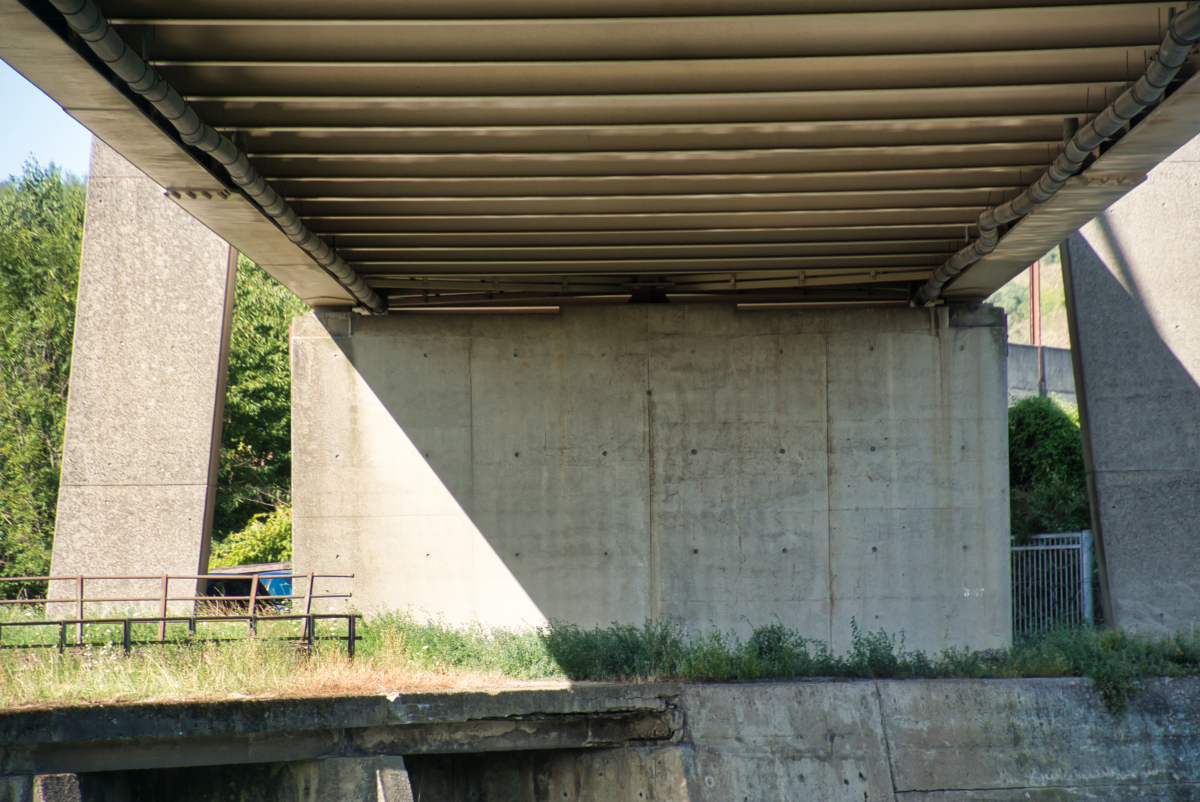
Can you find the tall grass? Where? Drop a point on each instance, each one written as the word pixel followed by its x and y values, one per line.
pixel 1116 662
pixel 400 652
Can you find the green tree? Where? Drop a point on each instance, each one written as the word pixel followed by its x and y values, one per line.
pixel 1047 484
pixel 256 450
pixel 41 228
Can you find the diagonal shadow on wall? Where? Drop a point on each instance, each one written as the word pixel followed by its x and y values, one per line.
pixel 1143 420
pixel 623 464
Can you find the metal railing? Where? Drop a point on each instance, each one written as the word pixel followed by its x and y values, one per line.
pixel 254 600
pixel 1052 582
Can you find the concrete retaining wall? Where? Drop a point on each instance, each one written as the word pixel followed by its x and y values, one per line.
pixel 618 463
pixel 924 741
pixel 844 741
pixel 1057 372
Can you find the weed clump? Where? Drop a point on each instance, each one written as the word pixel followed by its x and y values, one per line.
pixel 438 646
pixel 1117 663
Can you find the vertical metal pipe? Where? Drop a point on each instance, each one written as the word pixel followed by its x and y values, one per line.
pixel 1085 577
pixel 1035 305
pixel 1040 598
pixel 1016 590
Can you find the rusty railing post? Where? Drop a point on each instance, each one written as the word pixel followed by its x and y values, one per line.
pixel 251 625
pixel 79 611
pixel 308 622
pixel 126 635
pixel 62 637
pixel 350 635
pixel 162 610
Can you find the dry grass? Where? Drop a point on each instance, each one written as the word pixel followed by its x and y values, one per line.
pixel 400 653
pixel 252 668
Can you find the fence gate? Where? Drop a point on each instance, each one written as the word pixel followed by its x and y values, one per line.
pixel 1052 582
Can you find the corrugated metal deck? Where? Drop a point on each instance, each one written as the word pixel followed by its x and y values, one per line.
pixel 533 151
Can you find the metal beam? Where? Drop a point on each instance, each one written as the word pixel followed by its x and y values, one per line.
pixel 41 55
pixel 1120 170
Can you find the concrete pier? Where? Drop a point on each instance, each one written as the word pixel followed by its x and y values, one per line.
pixel 1134 303
pixel 147 386
pixel 617 463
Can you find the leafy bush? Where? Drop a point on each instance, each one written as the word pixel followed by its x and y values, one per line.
pixel 266 539
pixel 1048 487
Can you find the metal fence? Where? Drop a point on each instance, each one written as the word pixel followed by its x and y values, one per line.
pixel 1052 582
pixel 259 607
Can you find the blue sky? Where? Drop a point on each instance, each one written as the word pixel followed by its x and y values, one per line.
pixel 35 124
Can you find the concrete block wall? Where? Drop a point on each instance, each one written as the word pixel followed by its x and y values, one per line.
pixel 618 463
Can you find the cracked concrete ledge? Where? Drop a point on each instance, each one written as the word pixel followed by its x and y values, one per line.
pixel 260 716
pixel 163 735
pixel 573 699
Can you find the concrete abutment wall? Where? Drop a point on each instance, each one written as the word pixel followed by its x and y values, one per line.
pixel 846 741
pixel 618 463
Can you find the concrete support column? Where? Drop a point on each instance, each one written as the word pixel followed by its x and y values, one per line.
pixel 147 386
pixel 1132 280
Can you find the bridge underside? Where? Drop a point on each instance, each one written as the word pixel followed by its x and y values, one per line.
pixel 531 152
pixel 535 153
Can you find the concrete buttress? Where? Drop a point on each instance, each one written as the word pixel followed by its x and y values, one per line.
pixel 147 387
pixel 1133 297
